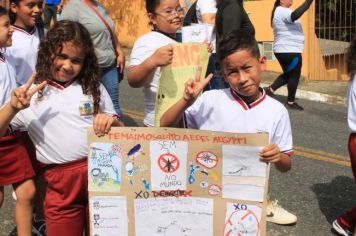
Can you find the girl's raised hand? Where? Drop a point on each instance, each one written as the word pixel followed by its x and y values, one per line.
pixel 21 96
pixel 194 87
pixel 163 56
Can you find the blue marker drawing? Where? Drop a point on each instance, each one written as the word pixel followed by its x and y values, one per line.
pixel 147 185
pixel 191 178
pixel 133 150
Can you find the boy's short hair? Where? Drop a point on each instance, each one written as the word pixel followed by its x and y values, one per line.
pixel 235 41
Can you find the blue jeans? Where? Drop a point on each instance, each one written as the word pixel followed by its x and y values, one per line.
pixel 110 80
pixel 218 81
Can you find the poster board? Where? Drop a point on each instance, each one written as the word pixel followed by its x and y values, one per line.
pixel 186 58
pixel 166 181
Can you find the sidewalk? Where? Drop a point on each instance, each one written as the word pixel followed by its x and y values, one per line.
pixel 331 92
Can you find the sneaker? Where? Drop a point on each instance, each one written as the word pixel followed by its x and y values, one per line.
pixel 294 106
pixel 341 229
pixel 268 91
pixel 276 214
pixel 39 227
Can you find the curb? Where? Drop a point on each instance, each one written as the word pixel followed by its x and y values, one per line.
pixel 312 96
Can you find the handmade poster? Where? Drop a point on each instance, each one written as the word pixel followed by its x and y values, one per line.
pixel 186 59
pixel 104 168
pixel 197 33
pixel 242 219
pixel 241 163
pixel 174 216
pixel 168 164
pixel 108 215
pixel 179 182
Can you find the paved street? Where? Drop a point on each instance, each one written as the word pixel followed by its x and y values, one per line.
pixel 317 189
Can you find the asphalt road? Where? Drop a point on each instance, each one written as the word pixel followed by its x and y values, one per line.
pixel 317 189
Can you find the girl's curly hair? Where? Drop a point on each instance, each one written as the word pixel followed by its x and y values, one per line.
pixel 351 58
pixel 51 46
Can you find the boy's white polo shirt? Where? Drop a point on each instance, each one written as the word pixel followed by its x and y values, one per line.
pixel 58 123
pixel 223 110
pixel 7 80
pixel 22 54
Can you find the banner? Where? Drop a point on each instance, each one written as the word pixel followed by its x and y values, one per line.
pixel 186 58
pixel 165 181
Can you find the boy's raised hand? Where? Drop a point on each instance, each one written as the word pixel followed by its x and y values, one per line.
pixel 21 96
pixel 194 87
pixel 163 56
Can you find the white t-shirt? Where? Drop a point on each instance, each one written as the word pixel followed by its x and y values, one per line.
pixel 351 106
pixel 223 110
pixel 206 7
pixel 22 55
pixel 143 48
pixel 7 80
pixel 58 123
pixel 288 35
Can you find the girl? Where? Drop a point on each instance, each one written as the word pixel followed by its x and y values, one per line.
pixel 288 47
pixel 345 224
pixel 23 53
pixel 153 50
pixel 15 165
pixel 57 122
pixel 96 19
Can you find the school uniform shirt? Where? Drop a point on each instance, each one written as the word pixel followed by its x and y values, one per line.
pixel 143 48
pixel 288 34
pixel 22 55
pixel 7 80
pixel 58 122
pixel 351 106
pixel 224 110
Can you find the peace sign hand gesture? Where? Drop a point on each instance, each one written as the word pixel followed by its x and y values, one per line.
pixel 194 87
pixel 21 96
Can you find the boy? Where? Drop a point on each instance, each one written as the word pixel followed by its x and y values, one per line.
pixel 243 108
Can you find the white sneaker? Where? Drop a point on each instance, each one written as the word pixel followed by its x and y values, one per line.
pixel 276 214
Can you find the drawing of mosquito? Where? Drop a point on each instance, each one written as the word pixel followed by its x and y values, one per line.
pixel 173 229
pixel 239 171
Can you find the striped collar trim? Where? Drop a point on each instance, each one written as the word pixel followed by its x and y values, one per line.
pixel 245 105
pixel 2 58
pixel 59 86
pixel 19 29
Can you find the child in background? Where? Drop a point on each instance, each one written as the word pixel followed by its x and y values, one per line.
pixel 243 108
pixel 345 224
pixel 153 50
pixel 15 164
pixel 58 119
pixel 22 54
pixel 25 17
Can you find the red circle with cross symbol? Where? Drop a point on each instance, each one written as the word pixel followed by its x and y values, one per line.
pixel 168 163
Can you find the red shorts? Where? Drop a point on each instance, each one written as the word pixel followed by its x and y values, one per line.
pixel 352 152
pixel 66 202
pixel 37 166
pixel 15 164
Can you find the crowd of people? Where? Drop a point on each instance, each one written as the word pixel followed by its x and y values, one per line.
pixel 59 80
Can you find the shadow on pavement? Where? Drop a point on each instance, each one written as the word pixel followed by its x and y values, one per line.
pixel 335 198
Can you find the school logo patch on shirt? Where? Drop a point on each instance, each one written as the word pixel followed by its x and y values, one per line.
pixel 86 109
